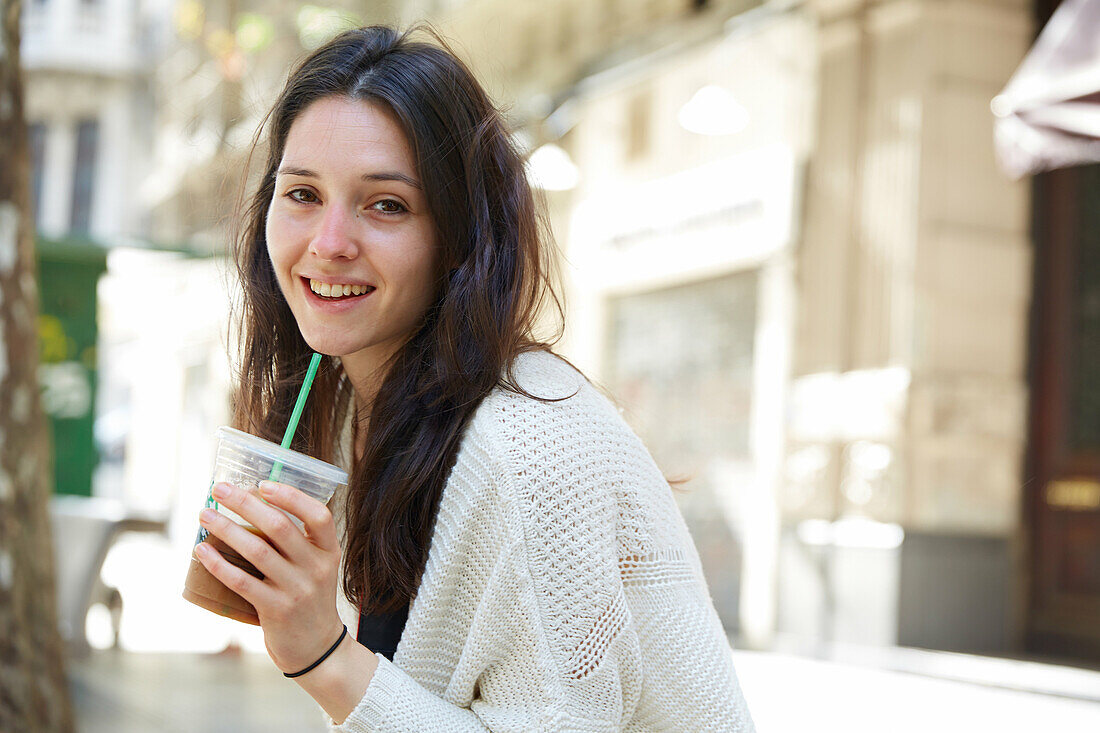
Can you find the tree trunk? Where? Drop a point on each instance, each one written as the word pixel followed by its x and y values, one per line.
pixel 34 695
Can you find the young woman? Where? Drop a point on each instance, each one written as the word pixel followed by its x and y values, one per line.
pixel 507 554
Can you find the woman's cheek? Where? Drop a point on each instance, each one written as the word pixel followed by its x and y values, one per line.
pixel 281 233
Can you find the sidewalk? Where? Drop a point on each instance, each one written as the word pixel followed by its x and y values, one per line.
pixel 941 692
pixel 128 692
pixel 132 692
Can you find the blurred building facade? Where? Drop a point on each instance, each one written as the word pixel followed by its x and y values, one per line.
pixel 89 103
pixel 793 258
pixel 788 252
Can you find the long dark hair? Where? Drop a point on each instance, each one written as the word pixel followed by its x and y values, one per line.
pixel 497 274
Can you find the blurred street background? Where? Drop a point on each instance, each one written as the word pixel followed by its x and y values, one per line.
pixel 838 259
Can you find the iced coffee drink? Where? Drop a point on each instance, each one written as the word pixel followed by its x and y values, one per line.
pixel 244 460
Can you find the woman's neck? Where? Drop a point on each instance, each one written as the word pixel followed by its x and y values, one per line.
pixel 359 434
pixel 365 376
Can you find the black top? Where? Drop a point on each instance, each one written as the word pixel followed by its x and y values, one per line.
pixel 380 632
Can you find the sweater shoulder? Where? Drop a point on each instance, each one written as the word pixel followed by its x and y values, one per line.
pixel 542 389
pixel 545 375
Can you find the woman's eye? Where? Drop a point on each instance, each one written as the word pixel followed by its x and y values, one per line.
pixel 388 206
pixel 303 196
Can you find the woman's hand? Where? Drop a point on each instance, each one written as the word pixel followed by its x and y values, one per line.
pixel 296 600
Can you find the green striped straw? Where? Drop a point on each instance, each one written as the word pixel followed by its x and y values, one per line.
pixel 288 436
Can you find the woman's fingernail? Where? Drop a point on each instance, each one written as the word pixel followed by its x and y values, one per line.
pixel 267 488
pixel 221 492
pixel 206 516
pixel 202 549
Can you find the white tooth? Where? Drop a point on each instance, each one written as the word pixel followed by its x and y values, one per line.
pixel 313 285
pixel 358 289
pixel 347 290
pixel 326 289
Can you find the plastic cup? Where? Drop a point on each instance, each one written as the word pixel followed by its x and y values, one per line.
pixel 244 461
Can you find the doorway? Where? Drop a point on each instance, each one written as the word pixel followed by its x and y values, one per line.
pixel 1062 512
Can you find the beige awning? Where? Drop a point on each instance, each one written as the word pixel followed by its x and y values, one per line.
pixel 1049 114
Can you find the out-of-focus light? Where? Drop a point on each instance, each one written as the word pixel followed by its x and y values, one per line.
pixel 233 65
pixel 858 532
pixel 220 43
pixel 806 463
pixel 254 32
pixel 817 532
pixel 551 169
pixel 99 628
pixel 190 17
pixel 713 111
pixel 870 457
pixel 317 25
pixel 856 405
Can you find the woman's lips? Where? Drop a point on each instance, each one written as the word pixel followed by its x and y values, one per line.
pixel 332 304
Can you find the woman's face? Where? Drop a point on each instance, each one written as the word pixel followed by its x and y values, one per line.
pixel 348 231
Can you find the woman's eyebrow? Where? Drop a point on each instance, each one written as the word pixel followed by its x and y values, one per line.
pixel 391 176
pixel 383 176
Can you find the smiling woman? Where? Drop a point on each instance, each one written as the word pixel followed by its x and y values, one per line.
pixel 507 552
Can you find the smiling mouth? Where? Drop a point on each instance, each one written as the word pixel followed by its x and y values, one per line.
pixel 334 292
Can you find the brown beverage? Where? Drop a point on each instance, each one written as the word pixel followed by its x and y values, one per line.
pixel 203 589
pixel 244 460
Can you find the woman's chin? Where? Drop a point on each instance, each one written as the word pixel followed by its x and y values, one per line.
pixel 369 347
pixel 328 346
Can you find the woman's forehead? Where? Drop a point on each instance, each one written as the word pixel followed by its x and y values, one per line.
pixel 339 133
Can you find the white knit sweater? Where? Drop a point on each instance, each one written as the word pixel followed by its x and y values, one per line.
pixel 562 590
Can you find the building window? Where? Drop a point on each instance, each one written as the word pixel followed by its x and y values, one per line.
pixel 37 134
pixel 87 140
pixel 681 360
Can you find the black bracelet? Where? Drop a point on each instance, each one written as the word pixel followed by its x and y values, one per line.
pixel 324 656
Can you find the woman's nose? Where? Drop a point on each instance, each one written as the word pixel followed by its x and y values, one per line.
pixel 335 237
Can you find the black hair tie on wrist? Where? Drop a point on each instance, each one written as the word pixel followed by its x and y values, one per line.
pixel 324 656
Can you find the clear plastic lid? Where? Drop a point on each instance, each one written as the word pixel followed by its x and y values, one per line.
pixel 289 458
